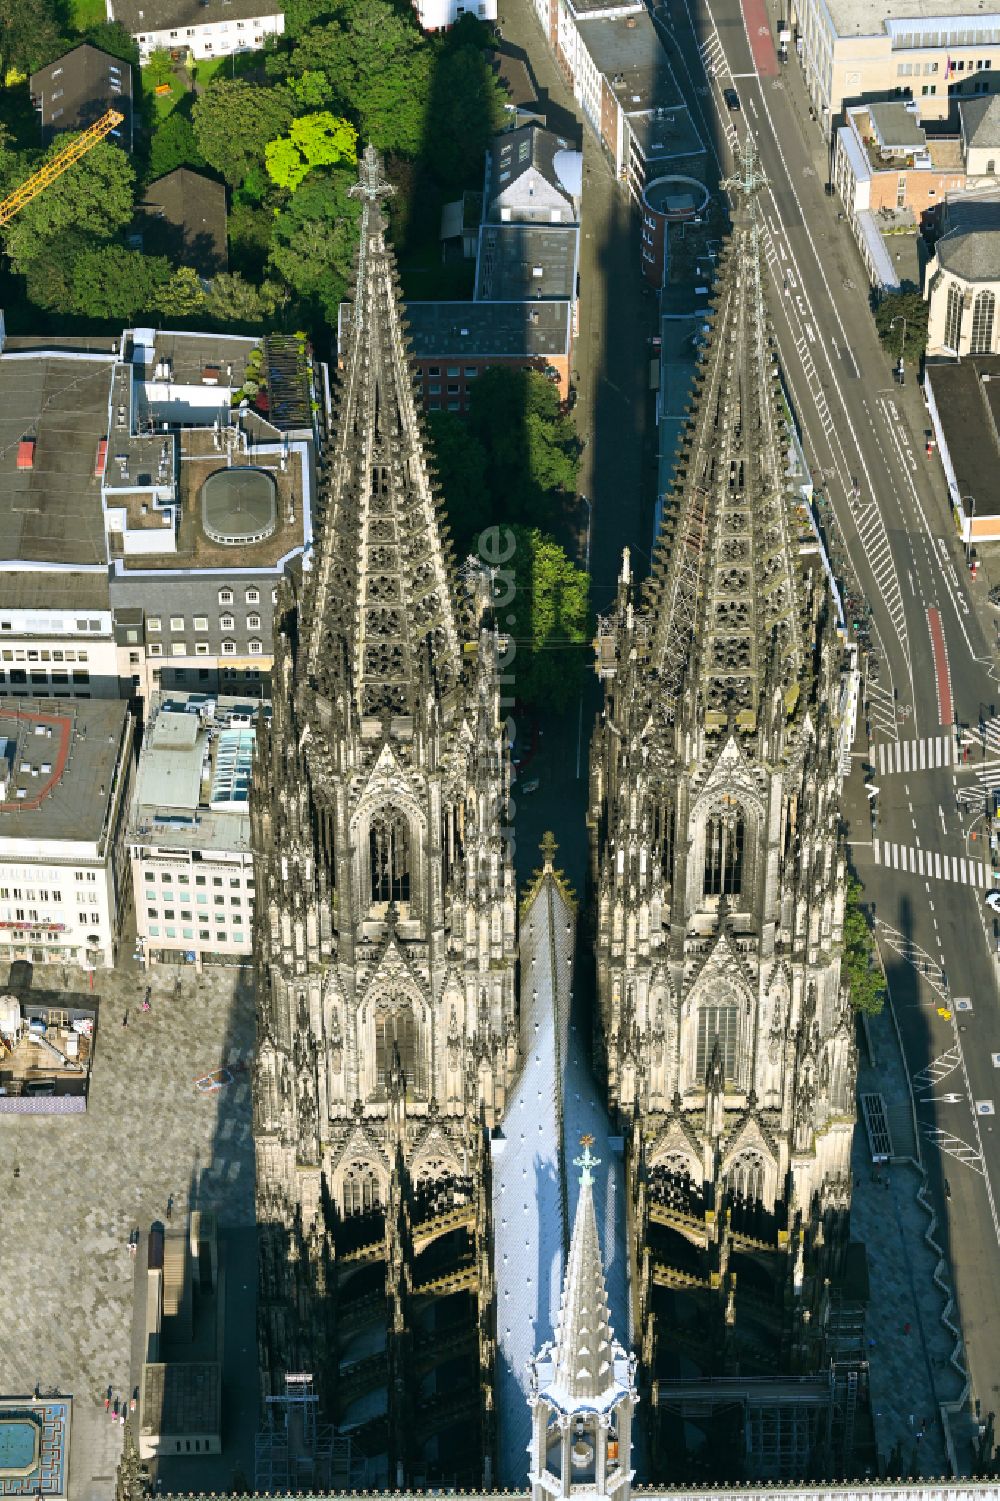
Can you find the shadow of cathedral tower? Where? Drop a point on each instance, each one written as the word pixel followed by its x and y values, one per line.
pixel 385 939
pixel 719 879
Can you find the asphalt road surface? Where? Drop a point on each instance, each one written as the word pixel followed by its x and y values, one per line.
pixel 923 857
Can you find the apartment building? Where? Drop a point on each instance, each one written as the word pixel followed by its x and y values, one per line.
pixel 66 778
pixel 199 28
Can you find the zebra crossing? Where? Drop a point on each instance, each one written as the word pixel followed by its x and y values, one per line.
pixel 932 864
pixel 939 1068
pixel 713 56
pixel 882 710
pixel 987 734
pixel 982 792
pixel 875 546
pixel 954 1146
pixel 916 755
pixel 911 952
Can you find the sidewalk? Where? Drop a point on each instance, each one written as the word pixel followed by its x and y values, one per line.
pixel 912 1349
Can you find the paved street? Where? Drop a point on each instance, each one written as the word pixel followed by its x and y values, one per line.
pixel 86 1182
pixel 618 470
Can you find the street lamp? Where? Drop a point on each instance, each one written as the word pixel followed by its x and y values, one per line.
pixel 968 530
pixel 899 368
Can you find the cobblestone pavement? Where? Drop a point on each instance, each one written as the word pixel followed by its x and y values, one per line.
pixel 86 1181
pixel 910 1349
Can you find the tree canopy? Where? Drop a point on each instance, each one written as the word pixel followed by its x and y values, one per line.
pixel 94 196
pixel 902 312
pixel 31 35
pixel 315 239
pixel 467 107
pixel 319 140
pixel 551 619
pixel 109 281
pixel 863 971
pixel 233 122
pixel 532 449
pixel 378 66
pixel 174 144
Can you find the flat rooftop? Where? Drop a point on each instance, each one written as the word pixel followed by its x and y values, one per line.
pixel 521 261
pixel 52 510
pixel 628 51
pixel 193 786
pixel 861 18
pixel 967 397
pixel 195 359
pixel 64 765
pixel 200 457
pixel 488 329
pixel 53 590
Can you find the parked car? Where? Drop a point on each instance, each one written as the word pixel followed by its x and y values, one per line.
pixel 732 99
pixel 993 900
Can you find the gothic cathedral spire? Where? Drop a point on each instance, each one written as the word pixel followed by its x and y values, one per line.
pixel 718 871
pixel 385 920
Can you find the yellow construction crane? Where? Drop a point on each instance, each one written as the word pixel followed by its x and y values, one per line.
pixel 57 166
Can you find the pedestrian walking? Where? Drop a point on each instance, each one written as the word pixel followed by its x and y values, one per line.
pixel 906 1330
pixel 125 1019
pixel 107 1403
pixel 170 1206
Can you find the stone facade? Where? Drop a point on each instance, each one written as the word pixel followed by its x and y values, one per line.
pixel 385 938
pixel 727 1034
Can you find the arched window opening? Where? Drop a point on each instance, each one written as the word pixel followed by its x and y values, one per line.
pixel 953 318
pixel 396 1031
pixel 718 1024
pixel 982 323
pixel 389 847
pixel 725 835
pixel 361 1193
pixel 746 1177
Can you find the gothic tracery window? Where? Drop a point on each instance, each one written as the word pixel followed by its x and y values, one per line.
pixel 746 1176
pixel 389 850
pixel 953 318
pixel 361 1191
pixel 982 323
pixel 717 1023
pixel 725 834
pixel 395 1030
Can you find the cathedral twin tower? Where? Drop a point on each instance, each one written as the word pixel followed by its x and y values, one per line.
pixel 389 1025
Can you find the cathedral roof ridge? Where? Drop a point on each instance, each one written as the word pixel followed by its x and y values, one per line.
pixel 380 604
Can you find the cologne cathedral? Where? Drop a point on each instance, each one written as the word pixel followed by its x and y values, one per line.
pixel 726 1032
pixel 411 1090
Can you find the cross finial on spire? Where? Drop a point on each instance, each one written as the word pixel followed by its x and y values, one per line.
pixel 586 1163
pixel 548 848
pixel 371 184
pixel 749 178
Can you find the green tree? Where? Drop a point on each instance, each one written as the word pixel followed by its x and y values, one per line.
pixel 532 449
pixel 551 619
pixel 230 299
pixel 320 140
pixel 174 144
pixel 112 37
pixel 183 295
pixel 312 89
pixel 379 66
pixel 863 970
pixel 233 122
pixel 157 71
pixel 249 238
pixel 300 15
pixel 48 277
pixel 31 35
pixel 109 281
pixel 467 110
pixel 315 240
pixel 462 471
pixel 890 312
pixel 96 194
